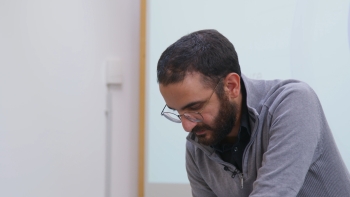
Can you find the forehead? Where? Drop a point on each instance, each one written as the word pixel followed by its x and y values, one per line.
pixel 191 89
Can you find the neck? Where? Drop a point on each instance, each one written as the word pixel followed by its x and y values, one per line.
pixel 233 135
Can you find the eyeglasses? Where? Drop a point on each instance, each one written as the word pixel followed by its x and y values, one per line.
pixel 191 116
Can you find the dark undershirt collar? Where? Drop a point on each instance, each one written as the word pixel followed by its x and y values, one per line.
pixel 244 127
pixel 233 153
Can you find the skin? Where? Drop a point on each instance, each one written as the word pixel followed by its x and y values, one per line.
pixel 191 95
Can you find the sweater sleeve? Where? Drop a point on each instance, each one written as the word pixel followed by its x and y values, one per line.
pixel 198 185
pixel 296 121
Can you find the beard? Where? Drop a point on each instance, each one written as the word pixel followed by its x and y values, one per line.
pixel 223 124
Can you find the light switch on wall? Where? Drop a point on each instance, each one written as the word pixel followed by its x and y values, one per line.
pixel 114 71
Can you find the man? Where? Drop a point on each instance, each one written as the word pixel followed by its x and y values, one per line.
pixel 246 137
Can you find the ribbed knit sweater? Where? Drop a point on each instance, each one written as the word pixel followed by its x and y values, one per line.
pixel 291 151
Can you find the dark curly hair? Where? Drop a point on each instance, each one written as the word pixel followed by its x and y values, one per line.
pixel 206 51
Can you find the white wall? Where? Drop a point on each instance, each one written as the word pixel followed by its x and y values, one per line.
pixel 53 97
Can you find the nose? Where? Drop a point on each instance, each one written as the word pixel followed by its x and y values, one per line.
pixel 187 124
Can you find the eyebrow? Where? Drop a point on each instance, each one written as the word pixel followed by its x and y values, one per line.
pixel 188 105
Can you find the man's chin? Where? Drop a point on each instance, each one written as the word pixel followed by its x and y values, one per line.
pixel 205 139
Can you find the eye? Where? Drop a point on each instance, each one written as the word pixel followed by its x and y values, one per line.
pixel 196 107
pixel 171 109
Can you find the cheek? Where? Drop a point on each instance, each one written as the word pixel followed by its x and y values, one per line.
pixel 210 117
pixel 211 112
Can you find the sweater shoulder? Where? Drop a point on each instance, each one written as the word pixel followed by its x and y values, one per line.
pixel 262 93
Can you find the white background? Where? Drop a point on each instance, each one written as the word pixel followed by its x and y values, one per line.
pixel 53 97
pixel 305 40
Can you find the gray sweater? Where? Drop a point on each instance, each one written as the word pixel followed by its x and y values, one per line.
pixel 291 152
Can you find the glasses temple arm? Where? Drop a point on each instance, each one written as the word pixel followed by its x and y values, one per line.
pixel 161 113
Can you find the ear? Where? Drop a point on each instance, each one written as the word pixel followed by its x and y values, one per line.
pixel 232 85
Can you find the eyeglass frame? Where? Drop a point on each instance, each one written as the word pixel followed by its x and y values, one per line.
pixel 184 114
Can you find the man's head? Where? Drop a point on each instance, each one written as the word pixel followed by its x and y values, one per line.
pixel 207 52
pixel 190 71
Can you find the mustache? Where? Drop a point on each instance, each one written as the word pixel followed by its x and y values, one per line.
pixel 201 128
